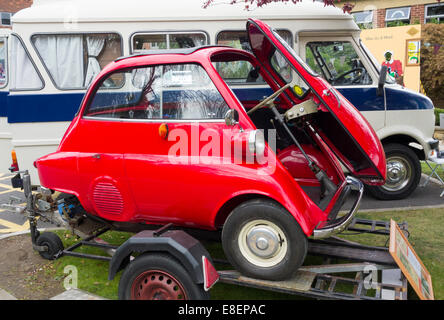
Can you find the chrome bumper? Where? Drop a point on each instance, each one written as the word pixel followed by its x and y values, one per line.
pixel 340 224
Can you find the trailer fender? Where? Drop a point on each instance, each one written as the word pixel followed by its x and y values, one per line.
pixel 186 249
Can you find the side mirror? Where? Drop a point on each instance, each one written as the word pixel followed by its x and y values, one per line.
pixel 231 117
pixel 381 81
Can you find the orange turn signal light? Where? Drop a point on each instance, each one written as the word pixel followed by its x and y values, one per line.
pixel 163 131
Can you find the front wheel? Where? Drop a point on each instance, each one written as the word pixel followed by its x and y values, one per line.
pixel 403 173
pixel 262 240
pixel 154 276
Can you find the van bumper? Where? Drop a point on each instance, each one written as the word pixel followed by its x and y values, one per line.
pixel 329 228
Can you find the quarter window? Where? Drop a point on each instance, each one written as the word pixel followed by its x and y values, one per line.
pixel 165 41
pixel 23 75
pixel 73 60
pixel 172 92
pixel 338 63
pixel 3 62
pixel 434 13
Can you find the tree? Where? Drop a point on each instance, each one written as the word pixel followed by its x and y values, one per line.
pixel 347 7
pixel 432 62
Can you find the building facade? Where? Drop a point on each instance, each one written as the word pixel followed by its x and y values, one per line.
pixel 8 8
pixel 371 14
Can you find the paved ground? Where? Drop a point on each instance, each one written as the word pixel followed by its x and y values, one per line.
pixel 12 222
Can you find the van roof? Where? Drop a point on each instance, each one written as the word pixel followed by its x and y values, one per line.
pixel 167 10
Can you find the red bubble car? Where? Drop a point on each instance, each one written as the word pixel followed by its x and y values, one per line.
pixel 161 138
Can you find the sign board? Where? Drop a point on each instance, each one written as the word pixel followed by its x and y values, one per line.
pixel 413 56
pixel 409 263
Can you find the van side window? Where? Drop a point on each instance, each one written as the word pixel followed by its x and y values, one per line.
pixel 164 41
pixel 174 92
pixel 337 62
pixel 3 62
pixel 240 71
pixel 73 60
pixel 23 75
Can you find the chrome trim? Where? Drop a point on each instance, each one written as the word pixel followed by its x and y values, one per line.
pixel 340 224
pixel 155 120
pixel 252 141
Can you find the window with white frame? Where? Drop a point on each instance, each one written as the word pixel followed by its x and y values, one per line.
pixel 364 19
pixel 3 62
pixel 162 41
pixel 73 60
pixel 434 13
pixel 23 73
pixel 5 18
pixel 397 16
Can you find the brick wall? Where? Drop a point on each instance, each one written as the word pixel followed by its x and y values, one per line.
pixel 417 14
pixel 380 14
pixel 13 6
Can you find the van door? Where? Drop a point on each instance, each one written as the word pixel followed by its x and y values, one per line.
pixel 5 132
pixel 339 60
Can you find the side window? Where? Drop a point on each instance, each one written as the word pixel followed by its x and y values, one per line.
pixel 241 71
pixel 338 62
pixel 151 41
pixel 175 92
pixel 23 74
pixel 73 60
pixel 3 62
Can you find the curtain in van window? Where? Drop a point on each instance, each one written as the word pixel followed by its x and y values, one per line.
pixel 95 46
pixel 23 75
pixel 63 56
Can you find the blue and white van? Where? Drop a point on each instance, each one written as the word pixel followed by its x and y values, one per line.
pixel 57 47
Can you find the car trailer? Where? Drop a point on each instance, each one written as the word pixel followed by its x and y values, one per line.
pixel 350 271
pixel 329 280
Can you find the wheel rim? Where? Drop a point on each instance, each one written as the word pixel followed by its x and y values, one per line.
pixel 157 285
pixel 399 174
pixel 262 243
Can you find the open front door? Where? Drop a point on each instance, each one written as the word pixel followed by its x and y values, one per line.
pixel 338 122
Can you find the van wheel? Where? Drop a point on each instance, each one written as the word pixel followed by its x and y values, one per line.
pixel 403 173
pixel 262 240
pixel 154 276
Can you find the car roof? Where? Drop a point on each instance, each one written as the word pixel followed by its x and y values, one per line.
pixel 184 51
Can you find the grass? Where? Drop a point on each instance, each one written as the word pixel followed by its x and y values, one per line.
pixel 426 228
pixel 426 169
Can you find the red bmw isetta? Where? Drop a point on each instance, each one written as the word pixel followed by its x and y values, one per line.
pixel 161 138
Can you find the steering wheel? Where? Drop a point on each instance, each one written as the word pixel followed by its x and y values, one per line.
pixel 355 80
pixel 270 98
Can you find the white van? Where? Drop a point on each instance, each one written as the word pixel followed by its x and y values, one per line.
pixel 57 47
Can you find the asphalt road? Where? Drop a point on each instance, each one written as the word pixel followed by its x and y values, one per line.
pixel 428 196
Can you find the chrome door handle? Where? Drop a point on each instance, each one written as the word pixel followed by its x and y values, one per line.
pixel 97 156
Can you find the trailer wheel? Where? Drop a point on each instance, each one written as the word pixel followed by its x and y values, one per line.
pixel 154 276
pixel 403 173
pixel 52 242
pixel 262 240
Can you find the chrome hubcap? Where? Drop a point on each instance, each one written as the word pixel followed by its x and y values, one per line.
pixel 399 173
pixel 263 241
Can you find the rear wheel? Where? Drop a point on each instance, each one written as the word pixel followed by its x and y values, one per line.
pixel 403 173
pixel 154 276
pixel 262 240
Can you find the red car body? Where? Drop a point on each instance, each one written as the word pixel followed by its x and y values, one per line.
pixel 120 171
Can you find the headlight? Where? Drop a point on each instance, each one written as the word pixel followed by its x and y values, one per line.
pixel 256 143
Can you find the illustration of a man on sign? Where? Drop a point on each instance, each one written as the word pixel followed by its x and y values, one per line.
pixel 394 67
